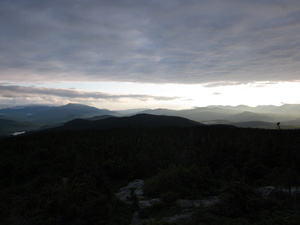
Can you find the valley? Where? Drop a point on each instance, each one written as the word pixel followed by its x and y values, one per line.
pixel 38 117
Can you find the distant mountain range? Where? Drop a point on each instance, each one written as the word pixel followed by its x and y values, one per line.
pixel 24 118
pixel 53 115
pixel 235 113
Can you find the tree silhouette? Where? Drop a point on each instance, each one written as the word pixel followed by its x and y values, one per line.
pixel 278 125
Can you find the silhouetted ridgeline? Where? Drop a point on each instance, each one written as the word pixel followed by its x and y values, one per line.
pixel 70 177
pixel 140 120
pixel 37 117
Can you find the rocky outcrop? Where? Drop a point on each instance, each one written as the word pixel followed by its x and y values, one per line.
pixel 126 193
pixel 203 202
pixel 148 203
pixel 134 192
pixel 268 190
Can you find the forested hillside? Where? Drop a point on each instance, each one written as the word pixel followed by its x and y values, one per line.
pixel 71 177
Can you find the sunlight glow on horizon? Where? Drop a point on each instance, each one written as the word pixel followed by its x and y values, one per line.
pixel 188 95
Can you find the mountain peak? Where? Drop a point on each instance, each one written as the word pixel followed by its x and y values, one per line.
pixel 136 121
pixel 76 105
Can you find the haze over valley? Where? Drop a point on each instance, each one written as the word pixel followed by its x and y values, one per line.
pixel 37 117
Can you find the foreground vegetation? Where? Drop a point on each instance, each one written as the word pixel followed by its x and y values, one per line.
pixel 71 177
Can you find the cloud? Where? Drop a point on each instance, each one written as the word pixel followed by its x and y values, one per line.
pixel 23 92
pixel 178 41
pixel 222 84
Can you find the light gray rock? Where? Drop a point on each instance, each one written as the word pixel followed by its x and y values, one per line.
pixel 204 202
pixel 267 190
pixel 294 190
pixel 148 203
pixel 177 217
pixel 135 187
pixel 183 203
pixel 136 184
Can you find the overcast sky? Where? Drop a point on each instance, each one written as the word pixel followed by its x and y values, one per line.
pixel 120 54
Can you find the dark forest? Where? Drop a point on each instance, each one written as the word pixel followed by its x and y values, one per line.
pixel 71 177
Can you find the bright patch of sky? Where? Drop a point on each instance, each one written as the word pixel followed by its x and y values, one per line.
pixel 182 96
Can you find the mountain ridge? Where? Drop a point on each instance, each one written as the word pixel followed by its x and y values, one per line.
pixel 242 115
pixel 135 121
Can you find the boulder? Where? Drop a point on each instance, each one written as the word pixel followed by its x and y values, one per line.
pixel 133 188
pixel 204 202
pixel 183 203
pixel 148 203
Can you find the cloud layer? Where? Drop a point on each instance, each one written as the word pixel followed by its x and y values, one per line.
pixel 21 91
pixel 157 41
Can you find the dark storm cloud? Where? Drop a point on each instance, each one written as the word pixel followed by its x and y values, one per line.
pixel 159 41
pixel 21 91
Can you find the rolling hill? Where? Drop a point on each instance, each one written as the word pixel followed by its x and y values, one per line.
pixel 140 120
pixel 250 116
pixel 265 116
pixel 257 124
pixel 67 112
pixel 197 114
pixel 24 112
pixel 8 126
pixel 53 114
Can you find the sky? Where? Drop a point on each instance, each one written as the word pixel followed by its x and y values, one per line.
pixel 125 54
